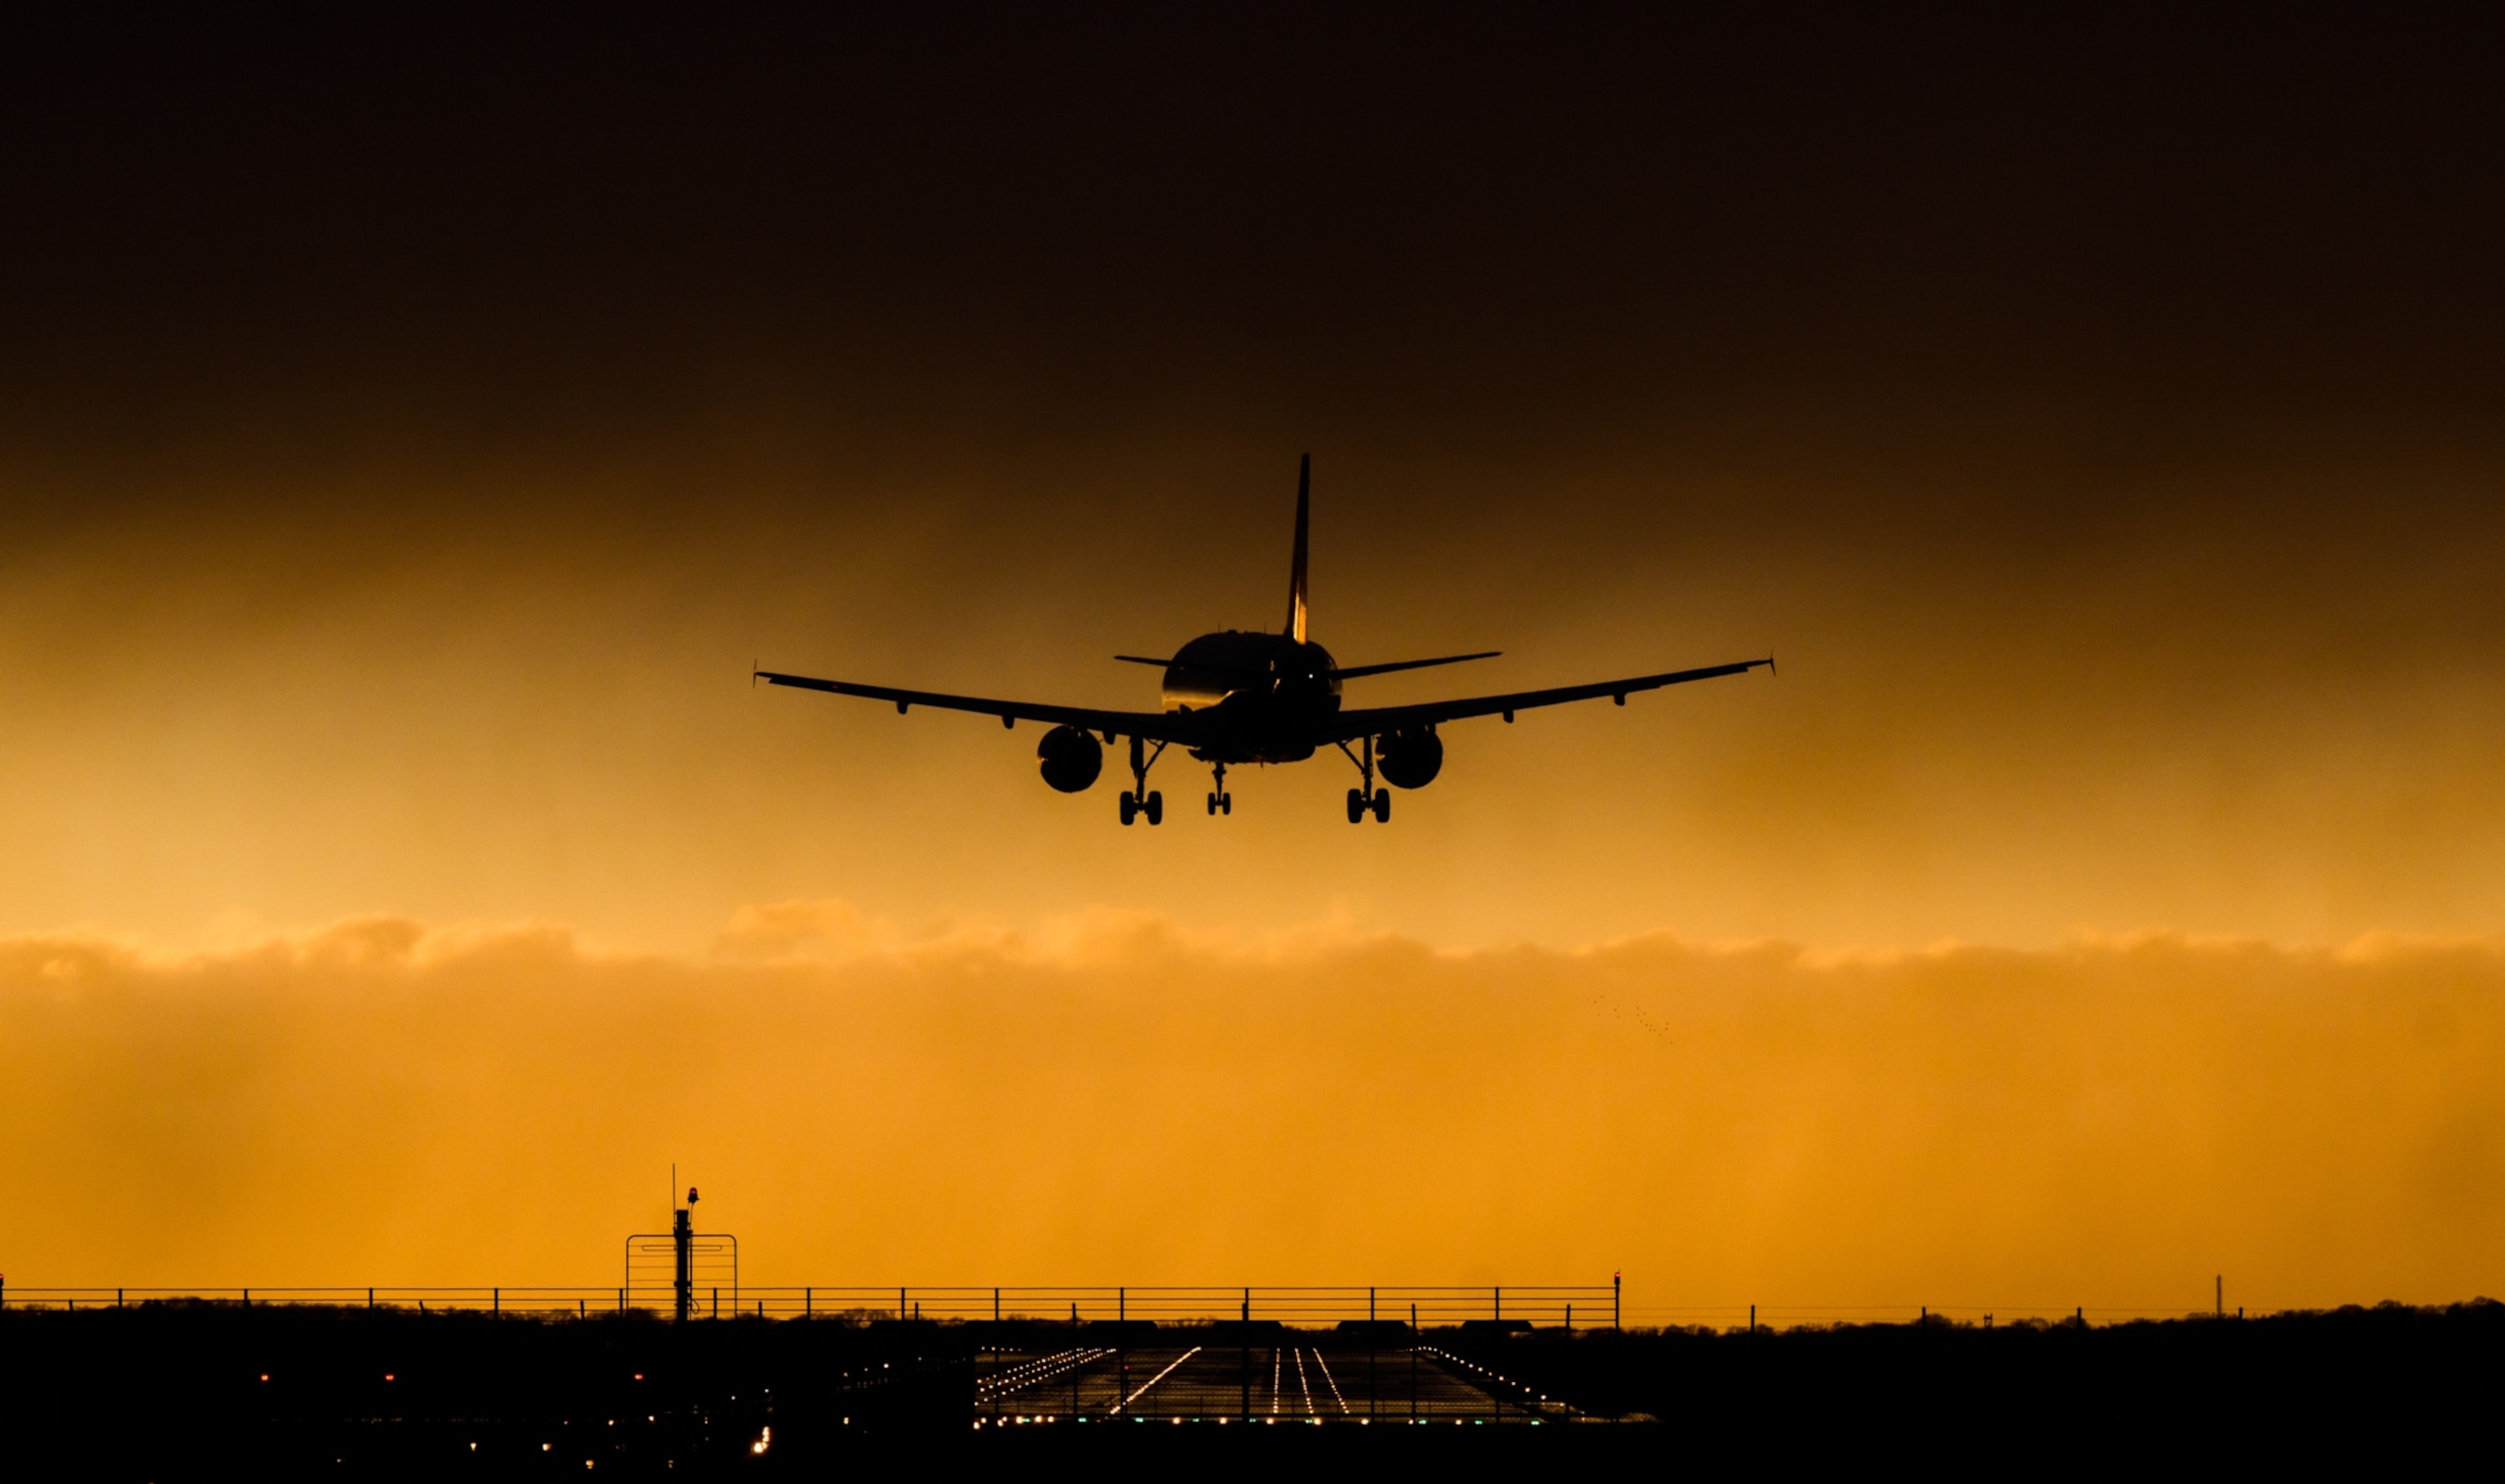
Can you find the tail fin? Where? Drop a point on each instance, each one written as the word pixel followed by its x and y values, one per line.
pixel 1296 579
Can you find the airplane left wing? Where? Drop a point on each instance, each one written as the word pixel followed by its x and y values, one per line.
pixel 1157 727
pixel 1348 725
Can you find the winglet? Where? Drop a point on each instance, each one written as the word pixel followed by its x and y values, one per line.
pixel 1296 576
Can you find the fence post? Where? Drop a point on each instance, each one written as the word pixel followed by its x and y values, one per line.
pixel 1413 1362
pixel 1243 1358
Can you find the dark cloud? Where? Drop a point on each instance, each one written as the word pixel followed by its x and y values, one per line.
pixel 1503 229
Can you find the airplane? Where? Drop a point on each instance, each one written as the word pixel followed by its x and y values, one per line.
pixel 1234 698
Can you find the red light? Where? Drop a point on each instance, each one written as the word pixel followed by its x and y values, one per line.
pixel 264 1375
pixel 639 1375
pixel 388 1377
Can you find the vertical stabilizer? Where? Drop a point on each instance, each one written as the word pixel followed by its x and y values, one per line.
pixel 1297 578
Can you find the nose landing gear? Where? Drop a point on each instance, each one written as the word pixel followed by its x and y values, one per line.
pixel 1140 798
pixel 1219 800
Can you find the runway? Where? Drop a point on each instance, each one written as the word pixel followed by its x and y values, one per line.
pixel 1262 1384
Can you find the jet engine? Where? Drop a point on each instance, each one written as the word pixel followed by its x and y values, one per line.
pixel 1072 759
pixel 1410 759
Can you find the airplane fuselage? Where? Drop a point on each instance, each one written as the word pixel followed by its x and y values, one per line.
pixel 1264 692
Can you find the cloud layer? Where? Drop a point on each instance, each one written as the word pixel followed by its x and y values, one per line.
pixel 1119 1099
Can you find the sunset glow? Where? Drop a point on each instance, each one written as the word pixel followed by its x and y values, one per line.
pixel 409 447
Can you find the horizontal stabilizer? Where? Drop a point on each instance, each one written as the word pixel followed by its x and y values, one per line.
pixel 1192 664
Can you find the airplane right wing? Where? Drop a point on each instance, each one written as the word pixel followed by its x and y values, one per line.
pixel 1348 725
pixel 1155 725
pixel 1353 672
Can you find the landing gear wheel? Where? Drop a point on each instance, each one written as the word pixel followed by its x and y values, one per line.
pixel 1355 805
pixel 1226 803
pixel 1383 806
pixel 1130 807
pixel 1155 807
pixel 1213 803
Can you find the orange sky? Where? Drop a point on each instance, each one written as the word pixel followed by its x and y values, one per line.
pixel 1112 1099
pixel 407 446
pixel 494 691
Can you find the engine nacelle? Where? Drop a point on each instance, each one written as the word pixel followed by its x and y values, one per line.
pixel 1410 759
pixel 1072 759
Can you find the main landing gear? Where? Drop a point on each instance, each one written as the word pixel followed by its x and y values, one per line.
pixel 1139 799
pixel 1219 800
pixel 1367 800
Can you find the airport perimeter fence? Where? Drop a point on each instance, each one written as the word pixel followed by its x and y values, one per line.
pixel 1579 1307
pixel 1778 1317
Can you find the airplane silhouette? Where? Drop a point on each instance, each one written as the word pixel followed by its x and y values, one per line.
pixel 1236 698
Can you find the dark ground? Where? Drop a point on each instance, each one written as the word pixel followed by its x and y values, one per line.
pixel 176 1390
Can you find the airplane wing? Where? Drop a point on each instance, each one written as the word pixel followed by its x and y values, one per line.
pixel 1354 672
pixel 1348 725
pixel 1155 725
